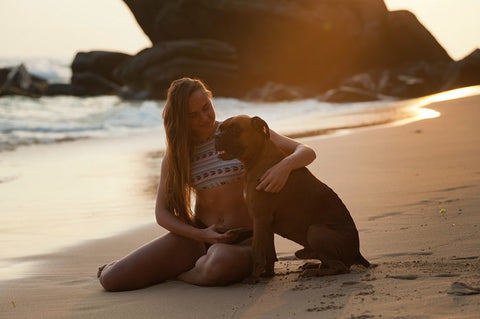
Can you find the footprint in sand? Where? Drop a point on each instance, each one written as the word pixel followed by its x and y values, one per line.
pixel 464 258
pixel 446 275
pixel 408 254
pixel 372 218
pixel 403 277
pixel 462 289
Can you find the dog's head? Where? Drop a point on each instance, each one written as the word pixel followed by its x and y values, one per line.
pixel 240 136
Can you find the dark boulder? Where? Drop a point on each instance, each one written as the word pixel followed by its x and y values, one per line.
pixel 153 69
pixel 18 81
pixel 101 63
pixel 93 73
pixel 306 43
pixel 313 44
pixel 408 41
pixel 273 92
pixel 91 84
pixel 54 89
pixel 345 94
pixel 465 72
pixel 409 81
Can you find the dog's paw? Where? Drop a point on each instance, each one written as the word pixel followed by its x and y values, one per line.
pixel 310 272
pixel 306 254
pixel 250 280
pixel 310 265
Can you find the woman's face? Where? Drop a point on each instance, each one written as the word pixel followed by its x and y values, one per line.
pixel 201 114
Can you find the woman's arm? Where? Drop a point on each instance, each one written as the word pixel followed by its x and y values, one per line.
pixel 170 222
pixel 298 155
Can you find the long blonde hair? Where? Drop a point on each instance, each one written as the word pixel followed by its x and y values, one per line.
pixel 180 146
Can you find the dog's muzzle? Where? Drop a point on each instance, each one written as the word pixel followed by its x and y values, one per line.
pixel 221 146
pixel 227 146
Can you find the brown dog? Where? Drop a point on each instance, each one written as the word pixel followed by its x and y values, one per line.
pixel 306 210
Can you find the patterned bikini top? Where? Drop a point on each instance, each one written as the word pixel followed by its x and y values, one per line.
pixel 208 171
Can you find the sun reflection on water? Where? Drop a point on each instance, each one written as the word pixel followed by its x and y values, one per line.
pixel 417 107
pixel 454 94
pixel 423 114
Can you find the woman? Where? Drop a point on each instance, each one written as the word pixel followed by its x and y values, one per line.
pixel 199 247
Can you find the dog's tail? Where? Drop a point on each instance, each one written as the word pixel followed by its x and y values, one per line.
pixel 360 260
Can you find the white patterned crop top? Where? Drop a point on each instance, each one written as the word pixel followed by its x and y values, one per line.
pixel 208 171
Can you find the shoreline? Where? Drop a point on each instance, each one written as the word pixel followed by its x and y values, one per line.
pixel 396 180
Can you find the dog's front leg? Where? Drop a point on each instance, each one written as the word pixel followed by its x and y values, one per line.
pixel 263 249
pixel 270 254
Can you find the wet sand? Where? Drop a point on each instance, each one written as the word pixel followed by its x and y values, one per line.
pixel 413 191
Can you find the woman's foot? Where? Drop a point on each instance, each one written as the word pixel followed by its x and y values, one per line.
pixel 102 268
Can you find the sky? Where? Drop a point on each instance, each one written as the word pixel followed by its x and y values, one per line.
pixel 60 28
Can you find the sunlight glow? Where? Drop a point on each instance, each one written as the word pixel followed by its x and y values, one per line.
pixel 454 94
pixel 416 109
pixel 423 114
pixel 446 96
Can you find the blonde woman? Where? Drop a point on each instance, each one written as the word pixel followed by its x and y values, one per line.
pixel 199 248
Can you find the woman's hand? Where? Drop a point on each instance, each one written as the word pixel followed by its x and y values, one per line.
pixel 298 155
pixel 274 178
pixel 214 235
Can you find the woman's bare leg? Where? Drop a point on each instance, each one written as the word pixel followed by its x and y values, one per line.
pixel 161 259
pixel 223 264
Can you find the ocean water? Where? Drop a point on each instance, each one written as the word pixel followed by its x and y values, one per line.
pixel 104 209
pixel 25 121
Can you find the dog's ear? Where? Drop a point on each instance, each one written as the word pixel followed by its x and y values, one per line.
pixel 261 126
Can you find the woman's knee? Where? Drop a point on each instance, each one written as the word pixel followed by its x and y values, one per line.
pixel 224 264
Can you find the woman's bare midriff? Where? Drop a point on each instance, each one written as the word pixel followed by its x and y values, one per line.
pixel 223 206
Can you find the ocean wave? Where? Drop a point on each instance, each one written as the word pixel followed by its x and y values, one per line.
pixel 25 121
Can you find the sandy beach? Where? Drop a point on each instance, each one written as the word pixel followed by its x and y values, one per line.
pixel 413 190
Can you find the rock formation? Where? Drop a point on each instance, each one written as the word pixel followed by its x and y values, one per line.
pixel 336 50
pixel 311 44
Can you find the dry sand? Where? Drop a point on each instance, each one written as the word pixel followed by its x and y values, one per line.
pixel 414 192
